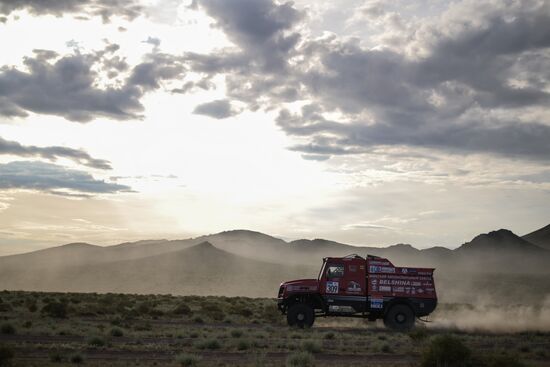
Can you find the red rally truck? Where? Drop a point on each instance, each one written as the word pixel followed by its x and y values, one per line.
pixel 353 286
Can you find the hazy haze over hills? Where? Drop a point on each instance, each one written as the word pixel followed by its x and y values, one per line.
pixel 253 264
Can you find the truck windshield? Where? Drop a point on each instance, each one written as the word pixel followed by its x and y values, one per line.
pixel 335 271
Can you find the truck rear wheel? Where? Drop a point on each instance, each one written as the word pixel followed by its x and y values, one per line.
pixel 300 315
pixel 400 318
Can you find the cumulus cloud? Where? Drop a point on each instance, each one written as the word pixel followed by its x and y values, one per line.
pixel 52 178
pixel 470 80
pixel 68 86
pixel 106 9
pixel 261 28
pixel 219 109
pixel 52 153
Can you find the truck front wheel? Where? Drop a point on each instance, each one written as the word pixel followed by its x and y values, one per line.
pixel 300 315
pixel 400 318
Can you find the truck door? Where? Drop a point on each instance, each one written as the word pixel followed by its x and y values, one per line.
pixel 343 285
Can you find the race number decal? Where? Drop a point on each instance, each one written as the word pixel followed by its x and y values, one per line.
pixel 332 287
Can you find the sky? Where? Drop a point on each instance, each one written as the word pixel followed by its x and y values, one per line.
pixel 364 122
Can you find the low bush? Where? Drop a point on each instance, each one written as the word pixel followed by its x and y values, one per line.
pixel 329 336
pixel 55 309
pixel 7 329
pixel 5 307
pixel 300 359
pixel 97 341
pixel 385 349
pixel 243 345
pixel 182 309
pixel 116 332
pixel 211 344
pixel 235 333
pixel 418 334
pixel 188 360
pixel 502 360
pixel 56 357
pixel 446 350
pixel 311 346
pixel 77 359
pixel 213 311
pixel 6 355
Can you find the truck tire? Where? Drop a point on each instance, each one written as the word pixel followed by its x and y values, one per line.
pixel 300 315
pixel 399 318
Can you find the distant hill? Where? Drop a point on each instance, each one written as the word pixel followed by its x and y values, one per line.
pixel 251 263
pixel 502 240
pixel 540 237
pixel 201 269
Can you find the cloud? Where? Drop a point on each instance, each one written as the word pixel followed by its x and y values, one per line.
pixel 473 79
pixel 52 153
pixel 219 109
pixel 260 28
pixel 52 178
pixel 106 9
pixel 68 86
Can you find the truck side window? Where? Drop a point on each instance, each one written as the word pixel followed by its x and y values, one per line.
pixel 335 271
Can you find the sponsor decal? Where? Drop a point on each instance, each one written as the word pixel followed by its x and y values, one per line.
pixel 353 287
pixel 399 289
pixel 381 269
pixel 377 303
pixel 332 287
pixel 384 288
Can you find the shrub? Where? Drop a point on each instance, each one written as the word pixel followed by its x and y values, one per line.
pixel 96 341
pixel 116 332
pixel 188 360
pixel 32 307
pixel 27 324
pixel 182 309
pixel 212 311
pixel 198 320
pixel 418 334
pixel 243 345
pixel 446 350
pixel 77 359
pixel 56 357
pixel 5 307
pixel 329 336
pixel 300 359
pixel 55 309
pixel 211 344
pixel 385 349
pixel 6 355
pixel 236 333
pixel 7 329
pixel 503 360
pixel 311 346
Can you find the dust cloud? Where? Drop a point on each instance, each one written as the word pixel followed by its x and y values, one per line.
pixel 493 318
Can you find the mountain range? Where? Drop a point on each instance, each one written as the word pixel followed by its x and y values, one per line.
pixel 248 263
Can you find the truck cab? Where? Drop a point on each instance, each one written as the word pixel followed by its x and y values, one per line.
pixel 354 286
